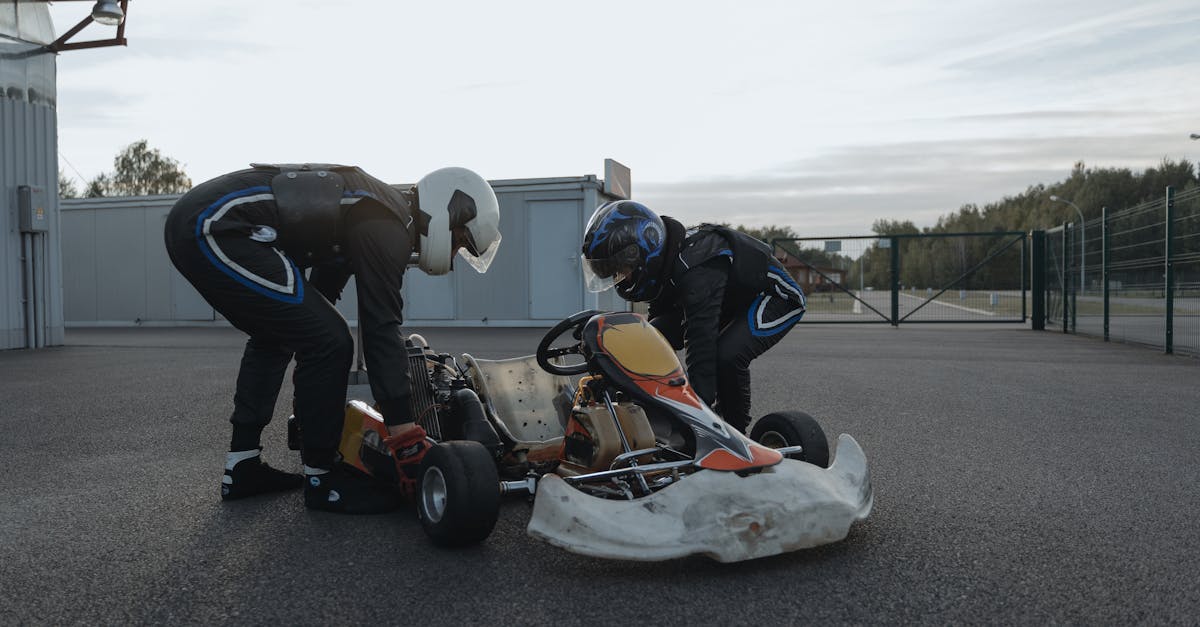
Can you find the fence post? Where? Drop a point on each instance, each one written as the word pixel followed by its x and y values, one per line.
pixel 1104 263
pixel 1037 282
pixel 1078 287
pixel 895 243
pixel 1066 281
pixel 1024 277
pixel 1169 270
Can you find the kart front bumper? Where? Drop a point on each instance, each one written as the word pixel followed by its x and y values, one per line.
pixel 789 506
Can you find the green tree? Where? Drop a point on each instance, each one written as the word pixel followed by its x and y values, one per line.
pixel 66 186
pixel 767 233
pixel 139 170
pixel 937 262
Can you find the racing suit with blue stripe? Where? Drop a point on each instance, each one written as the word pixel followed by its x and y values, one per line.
pixel 232 240
pixel 719 308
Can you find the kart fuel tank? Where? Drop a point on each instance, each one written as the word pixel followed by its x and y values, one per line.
pixel 592 441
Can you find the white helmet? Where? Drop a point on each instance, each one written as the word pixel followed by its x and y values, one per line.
pixel 453 198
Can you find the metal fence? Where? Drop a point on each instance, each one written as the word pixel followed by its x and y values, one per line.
pixel 926 277
pixel 1132 275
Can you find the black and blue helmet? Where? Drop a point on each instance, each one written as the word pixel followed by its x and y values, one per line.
pixel 624 245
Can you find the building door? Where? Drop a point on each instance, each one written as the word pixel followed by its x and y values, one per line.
pixel 555 278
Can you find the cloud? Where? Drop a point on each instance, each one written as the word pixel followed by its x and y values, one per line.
pixel 844 191
pixel 85 107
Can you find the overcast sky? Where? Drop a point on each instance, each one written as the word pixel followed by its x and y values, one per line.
pixel 823 117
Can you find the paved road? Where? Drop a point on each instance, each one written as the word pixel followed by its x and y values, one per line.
pixel 1147 330
pixel 1021 478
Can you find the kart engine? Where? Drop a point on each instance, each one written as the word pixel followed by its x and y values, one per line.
pixel 432 381
pixel 442 400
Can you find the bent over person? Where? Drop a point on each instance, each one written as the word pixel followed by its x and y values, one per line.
pixel 713 291
pixel 245 239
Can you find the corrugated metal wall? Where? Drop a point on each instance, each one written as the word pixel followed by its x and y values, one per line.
pixel 28 156
pixel 116 270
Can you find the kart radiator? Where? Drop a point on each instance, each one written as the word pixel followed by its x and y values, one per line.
pixel 423 401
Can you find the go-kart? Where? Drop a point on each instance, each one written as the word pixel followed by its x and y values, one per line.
pixel 620 456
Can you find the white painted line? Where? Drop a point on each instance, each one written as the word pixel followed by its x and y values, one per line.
pixel 938 302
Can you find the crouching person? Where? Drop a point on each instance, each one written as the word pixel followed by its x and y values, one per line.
pixel 713 291
pixel 245 239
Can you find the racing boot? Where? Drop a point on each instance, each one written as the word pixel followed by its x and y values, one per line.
pixel 246 474
pixel 408 449
pixel 345 491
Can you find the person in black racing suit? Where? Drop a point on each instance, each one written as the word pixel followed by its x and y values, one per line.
pixel 715 291
pixel 244 240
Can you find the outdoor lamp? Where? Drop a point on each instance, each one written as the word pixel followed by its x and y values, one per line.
pixel 107 12
pixel 1082 238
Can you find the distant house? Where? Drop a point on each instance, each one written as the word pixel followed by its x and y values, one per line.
pixel 812 279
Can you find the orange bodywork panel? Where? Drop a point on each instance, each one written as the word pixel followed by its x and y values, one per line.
pixel 722 459
pixel 644 355
pixel 363 428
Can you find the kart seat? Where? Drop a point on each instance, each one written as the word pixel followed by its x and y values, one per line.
pixel 530 404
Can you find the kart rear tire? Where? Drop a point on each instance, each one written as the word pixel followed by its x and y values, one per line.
pixel 458 497
pixel 793 428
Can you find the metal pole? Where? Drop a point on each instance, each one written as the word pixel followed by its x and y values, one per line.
pixel 1075 297
pixel 27 292
pixel 1037 268
pixel 1104 263
pixel 1024 283
pixel 1082 238
pixel 895 242
pixel 39 290
pixel 1065 280
pixel 1082 252
pixel 1169 271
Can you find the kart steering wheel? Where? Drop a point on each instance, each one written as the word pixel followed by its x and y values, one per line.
pixel 544 353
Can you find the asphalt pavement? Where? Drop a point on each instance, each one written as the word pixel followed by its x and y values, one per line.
pixel 1021 477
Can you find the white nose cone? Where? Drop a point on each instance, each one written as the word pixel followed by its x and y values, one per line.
pixel 793 505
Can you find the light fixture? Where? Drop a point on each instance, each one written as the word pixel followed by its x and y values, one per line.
pixel 1195 135
pixel 107 12
pixel 1082 238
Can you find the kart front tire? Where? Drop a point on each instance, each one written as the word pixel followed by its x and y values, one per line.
pixel 458 498
pixel 793 428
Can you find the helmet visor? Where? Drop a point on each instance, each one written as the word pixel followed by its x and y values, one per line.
pixel 470 253
pixel 601 274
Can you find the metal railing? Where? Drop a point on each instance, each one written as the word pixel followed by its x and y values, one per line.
pixel 1134 278
pixel 919 277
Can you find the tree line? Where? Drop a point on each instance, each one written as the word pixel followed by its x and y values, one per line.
pixel 938 260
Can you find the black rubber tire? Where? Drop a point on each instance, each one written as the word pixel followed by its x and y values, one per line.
pixel 458 496
pixel 793 428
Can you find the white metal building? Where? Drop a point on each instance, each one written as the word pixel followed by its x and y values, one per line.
pixel 116 270
pixel 31 311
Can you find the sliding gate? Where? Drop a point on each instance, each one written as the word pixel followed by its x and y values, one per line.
pixel 926 277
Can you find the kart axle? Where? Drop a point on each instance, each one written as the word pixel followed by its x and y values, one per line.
pixel 634 470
